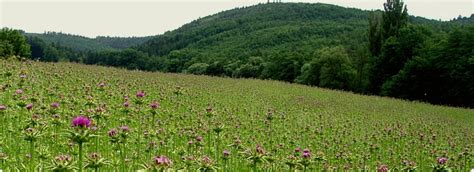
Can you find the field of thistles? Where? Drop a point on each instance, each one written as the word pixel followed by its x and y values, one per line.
pixel 71 117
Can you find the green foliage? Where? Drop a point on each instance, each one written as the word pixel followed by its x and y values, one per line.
pixel 13 43
pixel 330 68
pixel 85 44
pixel 198 68
pixel 443 73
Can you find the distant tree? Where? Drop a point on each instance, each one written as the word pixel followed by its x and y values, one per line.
pixel 12 42
pixel 385 45
pixel 198 68
pixel 330 68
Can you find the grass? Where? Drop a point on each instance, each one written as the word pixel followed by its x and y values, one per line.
pixel 341 130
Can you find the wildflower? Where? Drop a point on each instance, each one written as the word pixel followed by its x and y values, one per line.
pixel 126 104
pixel 206 160
pixel 442 160
pixel 3 107
pixel 81 121
pixel 140 94
pixel 125 129
pixel 226 153
pixel 55 105
pixel 154 105
pixel 29 106
pixel 297 150
pixel 199 138
pixel 382 168
pixel 19 91
pixel 260 149
pixel 112 132
pixel 306 154
pixel 162 161
pixel 101 85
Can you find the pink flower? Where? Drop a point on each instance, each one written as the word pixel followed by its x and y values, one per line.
pixel 442 160
pixel 55 105
pixel 154 105
pixel 140 94
pixel 112 132
pixel 297 150
pixel 162 161
pixel 226 153
pixel 19 91
pixel 3 107
pixel 382 168
pixel 199 138
pixel 81 121
pixel 125 128
pixel 260 149
pixel 29 106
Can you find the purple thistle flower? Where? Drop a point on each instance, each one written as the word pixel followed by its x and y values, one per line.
pixel 112 132
pixel 162 161
pixel 382 168
pixel 126 104
pixel 3 107
pixel 260 149
pixel 226 153
pixel 306 155
pixel 125 129
pixel 206 160
pixel 306 151
pixel 55 105
pixel 199 138
pixel 442 160
pixel 101 85
pixel 19 91
pixel 154 105
pixel 297 150
pixel 29 106
pixel 81 121
pixel 140 94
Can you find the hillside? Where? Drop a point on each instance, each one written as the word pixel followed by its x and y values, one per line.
pixel 187 118
pixel 84 44
pixel 268 30
pixel 264 28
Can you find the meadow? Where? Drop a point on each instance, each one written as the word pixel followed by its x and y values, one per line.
pixel 72 117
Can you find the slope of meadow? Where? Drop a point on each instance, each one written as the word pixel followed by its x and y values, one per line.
pixel 258 124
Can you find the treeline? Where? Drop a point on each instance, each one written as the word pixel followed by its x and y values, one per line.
pixel 384 53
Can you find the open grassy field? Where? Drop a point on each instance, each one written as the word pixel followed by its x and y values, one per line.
pixel 142 120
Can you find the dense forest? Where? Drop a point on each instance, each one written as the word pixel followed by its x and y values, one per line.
pixel 385 52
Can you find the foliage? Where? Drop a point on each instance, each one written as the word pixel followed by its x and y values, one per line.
pixel 12 43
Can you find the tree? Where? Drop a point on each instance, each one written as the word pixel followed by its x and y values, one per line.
pixel 330 68
pixel 384 44
pixel 13 43
pixel 198 68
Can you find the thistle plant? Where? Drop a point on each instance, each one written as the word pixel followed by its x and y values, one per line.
pixel 441 165
pixel 80 135
pixel 256 157
pixel 159 163
pixel 95 161
pixel 62 163
pixel 31 135
pixel 207 165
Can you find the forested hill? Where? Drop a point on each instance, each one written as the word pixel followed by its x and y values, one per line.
pixel 84 44
pixel 264 29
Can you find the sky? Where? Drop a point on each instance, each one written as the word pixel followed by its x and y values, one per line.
pixel 123 18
